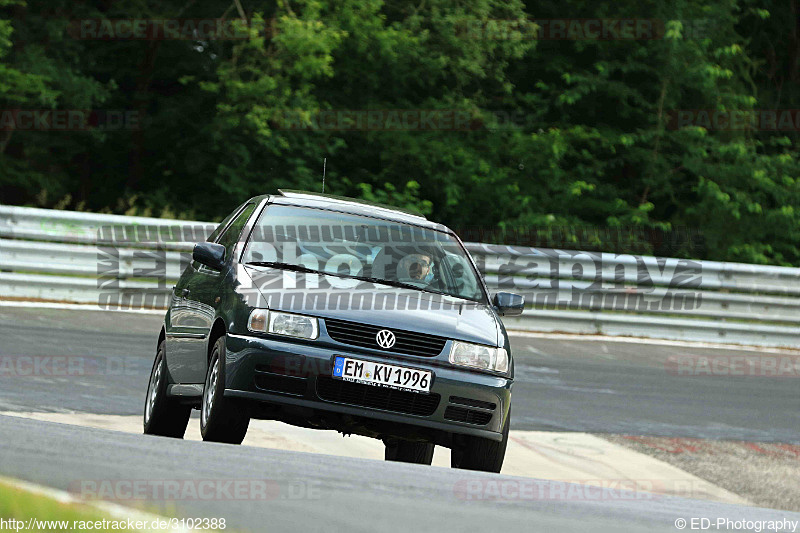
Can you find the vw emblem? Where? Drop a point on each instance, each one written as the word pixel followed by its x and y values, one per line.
pixel 385 338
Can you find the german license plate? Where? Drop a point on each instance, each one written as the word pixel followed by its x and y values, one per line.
pixel 382 375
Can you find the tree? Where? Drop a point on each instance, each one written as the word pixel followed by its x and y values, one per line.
pixel 574 137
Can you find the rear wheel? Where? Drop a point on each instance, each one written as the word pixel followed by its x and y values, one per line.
pixel 477 453
pixel 163 416
pixel 221 419
pixel 406 451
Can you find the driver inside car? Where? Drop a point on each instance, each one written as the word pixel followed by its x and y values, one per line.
pixel 417 268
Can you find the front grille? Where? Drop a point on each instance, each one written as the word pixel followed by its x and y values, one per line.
pixel 469 402
pixel 411 403
pixel 467 416
pixel 407 342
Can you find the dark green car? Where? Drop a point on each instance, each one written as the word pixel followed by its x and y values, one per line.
pixel 331 313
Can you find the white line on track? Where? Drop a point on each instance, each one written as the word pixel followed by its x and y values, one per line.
pixel 113 510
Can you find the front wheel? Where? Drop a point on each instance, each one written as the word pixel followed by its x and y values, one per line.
pixel 163 416
pixel 405 451
pixel 221 419
pixel 477 453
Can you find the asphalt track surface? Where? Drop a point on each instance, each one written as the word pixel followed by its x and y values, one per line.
pixel 326 493
pixel 560 384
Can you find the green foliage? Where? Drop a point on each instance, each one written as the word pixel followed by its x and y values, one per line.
pixel 406 198
pixel 563 135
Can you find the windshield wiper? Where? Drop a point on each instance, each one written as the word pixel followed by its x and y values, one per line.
pixel 402 285
pixel 287 266
pixel 398 284
pixel 391 283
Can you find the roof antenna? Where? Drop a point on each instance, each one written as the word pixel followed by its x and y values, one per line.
pixel 324 164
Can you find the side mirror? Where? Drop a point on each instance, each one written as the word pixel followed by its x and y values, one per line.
pixel 209 254
pixel 509 304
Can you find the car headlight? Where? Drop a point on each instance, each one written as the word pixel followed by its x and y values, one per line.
pixel 290 324
pixel 479 356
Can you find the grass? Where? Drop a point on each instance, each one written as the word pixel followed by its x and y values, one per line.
pixel 23 505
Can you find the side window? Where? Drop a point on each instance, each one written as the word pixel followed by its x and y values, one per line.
pixel 231 235
pixel 223 225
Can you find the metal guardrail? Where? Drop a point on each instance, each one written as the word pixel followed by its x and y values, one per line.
pixel 113 260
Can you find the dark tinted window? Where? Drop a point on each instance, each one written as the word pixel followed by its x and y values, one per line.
pixel 222 225
pixel 231 235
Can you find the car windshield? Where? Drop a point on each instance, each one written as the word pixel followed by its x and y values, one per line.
pixel 371 249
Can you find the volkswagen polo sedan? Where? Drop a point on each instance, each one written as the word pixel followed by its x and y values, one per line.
pixel 336 314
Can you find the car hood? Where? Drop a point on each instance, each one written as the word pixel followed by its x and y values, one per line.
pixel 375 304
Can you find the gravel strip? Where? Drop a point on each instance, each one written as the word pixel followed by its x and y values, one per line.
pixel 767 474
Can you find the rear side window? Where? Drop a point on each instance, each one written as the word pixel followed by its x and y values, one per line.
pixel 231 235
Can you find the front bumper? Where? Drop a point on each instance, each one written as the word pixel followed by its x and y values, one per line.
pixel 292 373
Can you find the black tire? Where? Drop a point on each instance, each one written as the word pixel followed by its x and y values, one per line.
pixel 221 419
pixel 163 416
pixel 477 453
pixel 404 451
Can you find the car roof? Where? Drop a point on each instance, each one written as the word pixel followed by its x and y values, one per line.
pixel 351 206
